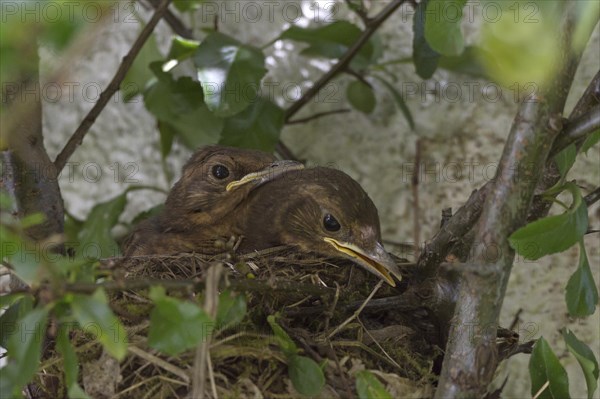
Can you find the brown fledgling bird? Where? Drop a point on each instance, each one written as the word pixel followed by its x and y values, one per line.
pixel 199 208
pixel 319 210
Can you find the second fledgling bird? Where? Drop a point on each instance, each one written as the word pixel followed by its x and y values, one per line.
pixel 320 210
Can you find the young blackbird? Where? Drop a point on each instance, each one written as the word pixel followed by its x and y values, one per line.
pixel 199 206
pixel 319 210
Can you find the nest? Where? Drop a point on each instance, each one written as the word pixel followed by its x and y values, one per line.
pixel 327 306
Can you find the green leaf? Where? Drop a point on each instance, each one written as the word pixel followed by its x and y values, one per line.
pixel 230 73
pixel 590 141
pixel 155 210
pixel 586 359
pixel 176 326
pixel 186 5
pixel 399 101
pixel 139 74
pixel 70 363
pixel 469 62
pixel 167 133
pixel 424 57
pixel 283 339
pixel 95 238
pixel 9 319
pixel 181 49
pixel 361 96
pixel 565 159
pixel 555 233
pixel 442 26
pixel 521 44
pixel 545 367
pixel 581 292
pixel 306 375
pixel 24 349
pixel 258 126
pixel 94 316
pixel 332 41
pixel 369 387
pixel 180 109
pixel 231 309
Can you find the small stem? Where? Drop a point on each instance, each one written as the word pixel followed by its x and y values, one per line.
pixel 317 115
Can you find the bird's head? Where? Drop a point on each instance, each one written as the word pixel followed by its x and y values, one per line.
pixel 320 210
pixel 217 178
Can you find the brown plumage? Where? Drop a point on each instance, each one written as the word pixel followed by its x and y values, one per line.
pixel 199 207
pixel 318 210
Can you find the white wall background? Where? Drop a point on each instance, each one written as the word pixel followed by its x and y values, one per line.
pixel 456 130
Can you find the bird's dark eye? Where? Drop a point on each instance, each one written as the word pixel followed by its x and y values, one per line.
pixel 220 171
pixel 331 223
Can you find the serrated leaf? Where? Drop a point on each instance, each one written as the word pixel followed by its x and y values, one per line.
pixel 258 126
pixel 283 339
pixel 545 367
pixel 555 233
pixel 590 141
pixel 229 72
pixel 95 317
pixel 139 74
pixel 424 57
pixel 95 238
pixel 306 375
pixel 70 363
pixel 361 96
pixel 399 101
pixel 231 309
pixel 586 359
pixel 176 326
pixel 369 387
pixel 332 41
pixel 565 159
pixel 581 292
pixel 442 26
pixel 24 349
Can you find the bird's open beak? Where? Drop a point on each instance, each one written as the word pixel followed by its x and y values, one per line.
pixel 378 262
pixel 269 173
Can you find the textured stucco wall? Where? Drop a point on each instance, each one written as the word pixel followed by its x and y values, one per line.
pixel 461 137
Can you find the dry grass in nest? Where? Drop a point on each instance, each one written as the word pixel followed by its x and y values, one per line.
pixel 316 300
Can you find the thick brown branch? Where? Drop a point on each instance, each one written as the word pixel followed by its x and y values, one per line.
pixel 76 139
pixel 471 354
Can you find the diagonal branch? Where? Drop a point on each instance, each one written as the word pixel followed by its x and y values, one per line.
pixel 77 138
pixel 345 60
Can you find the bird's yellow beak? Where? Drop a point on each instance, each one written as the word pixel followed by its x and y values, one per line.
pixel 271 172
pixel 378 262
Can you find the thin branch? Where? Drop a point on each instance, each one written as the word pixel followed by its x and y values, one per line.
pixel 415 193
pixel 358 76
pixel 592 197
pixel 345 60
pixel 578 129
pixel 317 116
pixel 174 22
pixel 77 138
pixel 360 11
